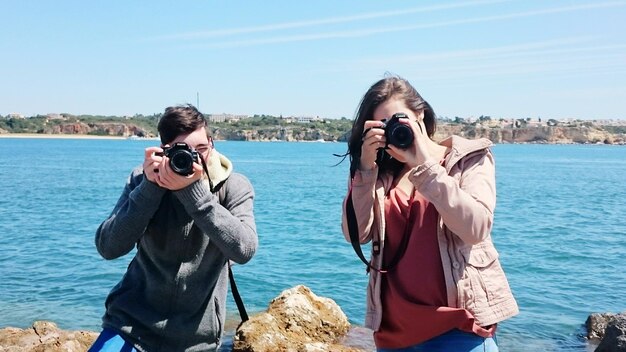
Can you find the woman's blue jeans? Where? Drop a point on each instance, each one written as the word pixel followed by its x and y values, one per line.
pixel 453 340
pixel 111 341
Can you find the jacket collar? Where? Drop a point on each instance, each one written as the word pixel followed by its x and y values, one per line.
pixel 461 147
pixel 219 168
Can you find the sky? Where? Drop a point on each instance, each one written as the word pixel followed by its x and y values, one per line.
pixel 504 59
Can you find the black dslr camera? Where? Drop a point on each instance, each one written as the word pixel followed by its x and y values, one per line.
pixel 397 133
pixel 181 158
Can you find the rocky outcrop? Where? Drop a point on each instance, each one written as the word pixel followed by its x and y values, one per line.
pixel 297 320
pixel 275 134
pixel 45 336
pixel 545 134
pixel 596 324
pixel 609 329
pixel 102 129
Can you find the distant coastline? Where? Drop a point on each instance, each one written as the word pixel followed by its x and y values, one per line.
pixel 260 130
pixel 57 136
pixel 552 135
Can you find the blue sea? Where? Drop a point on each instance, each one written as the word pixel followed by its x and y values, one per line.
pixel 560 228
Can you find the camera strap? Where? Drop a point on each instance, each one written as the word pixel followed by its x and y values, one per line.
pixel 353 229
pixel 221 193
pixel 206 172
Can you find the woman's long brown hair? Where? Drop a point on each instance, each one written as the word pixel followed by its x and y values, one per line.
pixel 381 91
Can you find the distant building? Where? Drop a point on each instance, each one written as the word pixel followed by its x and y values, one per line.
pixel 534 123
pixel 305 119
pixel 308 119
pixel 301 119
pixel 15 115
pixel 289 119
pixel 55 116
pixel 225 117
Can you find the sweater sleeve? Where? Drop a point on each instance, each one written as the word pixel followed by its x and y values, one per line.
pixel 467 206
pixel 363 190
pixel 231 225
pixel 117 235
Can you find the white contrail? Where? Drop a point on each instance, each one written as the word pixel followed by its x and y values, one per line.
pixel 323 21
pixel 372 31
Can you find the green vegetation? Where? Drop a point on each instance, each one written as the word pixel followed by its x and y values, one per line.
pixel 45 124
pixel 615 129
pixel 265 126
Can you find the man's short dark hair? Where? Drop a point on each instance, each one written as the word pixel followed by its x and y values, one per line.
pixel 178 120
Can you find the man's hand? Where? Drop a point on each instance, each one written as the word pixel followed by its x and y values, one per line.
pixel 168 179
pixel 151 163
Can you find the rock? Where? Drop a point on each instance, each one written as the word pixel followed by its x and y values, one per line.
pixel 543 134
pixel 359 337
pixel 102 128
pixel 614 339
pixel 297 320
pixel 45 336
pixel 596 324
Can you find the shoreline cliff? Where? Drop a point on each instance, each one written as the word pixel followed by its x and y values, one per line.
pixel 537 135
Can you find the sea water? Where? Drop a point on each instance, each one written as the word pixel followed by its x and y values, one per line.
pixel 560 229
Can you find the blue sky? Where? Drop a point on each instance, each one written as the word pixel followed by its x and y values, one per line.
pixel 548 59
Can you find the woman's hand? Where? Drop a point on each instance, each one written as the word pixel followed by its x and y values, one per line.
pixel 373 139
pixel 417 153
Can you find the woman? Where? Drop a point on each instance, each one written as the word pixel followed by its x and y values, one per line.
pixel 435 280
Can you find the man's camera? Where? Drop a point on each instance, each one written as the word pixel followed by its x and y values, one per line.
pixel 397 133
pixel 181 158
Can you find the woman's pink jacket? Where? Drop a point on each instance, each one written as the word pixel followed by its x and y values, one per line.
pixel 464 194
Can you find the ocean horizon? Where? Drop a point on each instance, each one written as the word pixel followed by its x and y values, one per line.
pixel 559 228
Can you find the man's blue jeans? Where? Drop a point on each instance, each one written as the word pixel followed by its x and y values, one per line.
pixel 111 341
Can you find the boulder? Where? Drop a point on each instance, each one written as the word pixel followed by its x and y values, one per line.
pixel 45 336
pixel 596 325
pixel 614 339
pixel 297 320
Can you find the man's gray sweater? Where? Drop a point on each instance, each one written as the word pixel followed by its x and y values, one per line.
pixel 172 297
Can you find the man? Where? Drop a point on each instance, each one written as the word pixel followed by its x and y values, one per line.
pixel 187 227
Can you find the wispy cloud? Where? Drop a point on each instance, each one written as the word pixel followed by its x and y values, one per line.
pixel 390 29
pixel 490 52
pixel 563 57
pixel 324 21
pixel 594 62
pixel 573 48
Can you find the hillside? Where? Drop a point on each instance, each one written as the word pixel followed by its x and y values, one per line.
pixel 269 128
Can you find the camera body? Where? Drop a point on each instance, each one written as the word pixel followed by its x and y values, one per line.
pixel 181 158
pixel 397 133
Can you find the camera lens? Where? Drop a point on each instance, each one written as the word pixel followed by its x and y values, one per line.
pixel 400 135
pixel 181 161
pixel 181 158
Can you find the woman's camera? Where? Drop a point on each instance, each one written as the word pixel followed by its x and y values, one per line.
pixel 181 158
pixel 397 133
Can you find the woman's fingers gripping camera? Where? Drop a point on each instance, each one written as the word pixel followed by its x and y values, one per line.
pixel 373 139
pixel 417 153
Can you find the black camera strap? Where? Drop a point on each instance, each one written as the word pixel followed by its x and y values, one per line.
pixel 236 296
pixel 221 193
pixel 206 172
pixel 353 229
